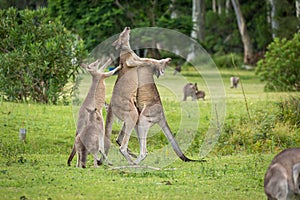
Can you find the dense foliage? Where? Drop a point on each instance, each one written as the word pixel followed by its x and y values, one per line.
pixel 38 57
pixel 94 21
pixel 281 66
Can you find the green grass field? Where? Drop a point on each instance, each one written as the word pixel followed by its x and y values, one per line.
pixel 235 167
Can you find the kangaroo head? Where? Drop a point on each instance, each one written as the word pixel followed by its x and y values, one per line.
pixel 123 40
pixel 92 67
pixel 160 69
pixel 93 114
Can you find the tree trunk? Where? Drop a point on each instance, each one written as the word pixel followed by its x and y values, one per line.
pixel 227 6
pixel 272 19
pixel 248 48
pixel 214 6
pixel 174 13
pixel 220 7
pixel 198 18
pixel 297 9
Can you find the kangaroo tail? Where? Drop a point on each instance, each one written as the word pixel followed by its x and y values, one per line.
pixel 72 154
pixel 166 129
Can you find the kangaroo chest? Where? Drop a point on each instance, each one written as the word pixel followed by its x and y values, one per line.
pixel 147 93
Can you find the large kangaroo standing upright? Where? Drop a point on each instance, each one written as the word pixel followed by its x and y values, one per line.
pixel 140 102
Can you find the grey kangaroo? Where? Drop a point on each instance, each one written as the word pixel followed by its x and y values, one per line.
pixel 282 179
pixel 90 140
pixel 95 97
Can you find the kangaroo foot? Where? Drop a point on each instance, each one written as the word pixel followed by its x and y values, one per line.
pixel 140 158
pixel 128 150
pixel 124 152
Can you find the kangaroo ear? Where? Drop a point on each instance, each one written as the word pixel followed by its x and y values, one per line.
pixel 89 110
pixel 116 44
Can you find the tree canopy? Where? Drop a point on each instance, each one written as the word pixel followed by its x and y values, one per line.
pixel 96 20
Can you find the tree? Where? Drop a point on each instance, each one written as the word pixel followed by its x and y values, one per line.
pixel 297 5
pixel 248 48
pixel 39 58
pixel 281 66
pixel 272 18
pixel 94 21
pixel 198 19
pixel 23 4
pixel 283 18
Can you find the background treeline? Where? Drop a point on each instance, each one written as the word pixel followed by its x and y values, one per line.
pixel 241 29
pixel 96 20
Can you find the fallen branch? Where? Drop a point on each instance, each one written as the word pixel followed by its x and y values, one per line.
pixel 135 166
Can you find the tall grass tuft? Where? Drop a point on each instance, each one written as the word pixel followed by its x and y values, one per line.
pixel 289 111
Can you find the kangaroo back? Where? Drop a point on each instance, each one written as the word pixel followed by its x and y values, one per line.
pixel 282 177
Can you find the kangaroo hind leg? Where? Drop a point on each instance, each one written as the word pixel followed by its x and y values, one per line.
pixel 142 132
pixel 296 178
pixel 129 124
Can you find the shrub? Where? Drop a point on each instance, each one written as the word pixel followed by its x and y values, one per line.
pixel 38 59
pixel 281 66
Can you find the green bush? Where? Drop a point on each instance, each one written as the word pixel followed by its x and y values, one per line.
pixel 281 66
pixel 38 57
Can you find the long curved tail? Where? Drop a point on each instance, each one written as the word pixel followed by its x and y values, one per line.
pixel 167 131
pixel 71 156
pixel 73 152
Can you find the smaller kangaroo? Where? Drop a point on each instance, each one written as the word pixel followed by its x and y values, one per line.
pixel 190 89
pixel 95 97
pixel 90 140
pixel 200 94
pixel 282 179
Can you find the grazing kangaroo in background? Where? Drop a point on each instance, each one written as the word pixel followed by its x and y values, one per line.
pixel 282 179
pixel 91 139
pixel 136 96
pixel 200 94
pixel 234 81
pixel 95 97
pixel 190 89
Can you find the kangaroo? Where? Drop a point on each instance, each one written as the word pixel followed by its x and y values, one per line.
pixel 190 89
pixel 141 78
pixel 123 99
pixel 90 140
pixel 200 94
pixel 282 179
pixel 151 110
pixel 94 98
pixel 234 81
